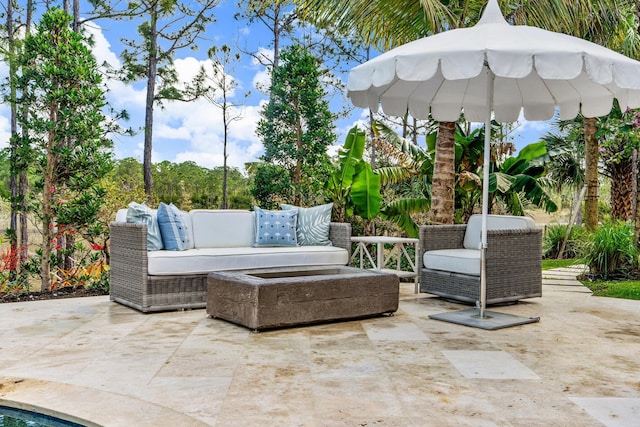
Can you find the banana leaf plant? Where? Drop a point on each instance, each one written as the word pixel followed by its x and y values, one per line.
pixel 354 187
pixel 520 180
pixel 414 163
pixel 517 181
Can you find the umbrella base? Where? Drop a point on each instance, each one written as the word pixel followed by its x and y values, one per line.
pixel 492 320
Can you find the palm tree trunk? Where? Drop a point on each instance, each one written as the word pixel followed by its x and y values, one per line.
pixel 636 231
pixel 621 190
pixel 591 174
pixel 373 141
pixel 442 191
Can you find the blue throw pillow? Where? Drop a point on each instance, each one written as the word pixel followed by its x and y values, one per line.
pixel 173 228
pixel 141 213
pixel 313 224
pixel 275 228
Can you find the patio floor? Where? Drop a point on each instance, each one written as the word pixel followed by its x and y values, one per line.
pixel 108 364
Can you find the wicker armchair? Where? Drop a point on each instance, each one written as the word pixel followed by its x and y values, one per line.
pixel 513 264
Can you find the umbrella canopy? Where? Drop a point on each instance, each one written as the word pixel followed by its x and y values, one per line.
pixel 500 69
pixel 535 70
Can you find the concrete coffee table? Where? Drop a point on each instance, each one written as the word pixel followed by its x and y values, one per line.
pixel 275 297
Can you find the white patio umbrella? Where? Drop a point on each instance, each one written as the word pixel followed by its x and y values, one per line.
pixel 500 69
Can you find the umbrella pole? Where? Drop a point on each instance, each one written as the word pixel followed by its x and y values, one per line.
pixel 485 192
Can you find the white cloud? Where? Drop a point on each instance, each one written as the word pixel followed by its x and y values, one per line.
pixel 263 56
pixel 102 47
pixel 5 128
pixel 5 112
pixel 126 96
pixel 262 81
pixel 262 78
pixel 188 67
pixel 196 132
pixel 4 69
pixel 526 125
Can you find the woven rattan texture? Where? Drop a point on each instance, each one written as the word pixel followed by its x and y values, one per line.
pixel 513 265
pixel 132 286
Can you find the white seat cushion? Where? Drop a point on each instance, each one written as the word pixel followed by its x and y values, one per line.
pixel 463 261
pixel 473 234
pixel 206 260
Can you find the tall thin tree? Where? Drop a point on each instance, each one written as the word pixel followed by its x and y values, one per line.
pixel 168 27
pixel 61 89
pixel 219 89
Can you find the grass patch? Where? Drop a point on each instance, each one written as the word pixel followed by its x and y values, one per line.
pixel 628 289
pixel 548 264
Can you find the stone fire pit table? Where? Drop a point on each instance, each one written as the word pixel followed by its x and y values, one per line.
pixel 276 297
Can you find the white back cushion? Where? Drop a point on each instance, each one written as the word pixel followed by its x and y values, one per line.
pixel 121 215
pixel 473 235
pixel 187 219
pixel 222 228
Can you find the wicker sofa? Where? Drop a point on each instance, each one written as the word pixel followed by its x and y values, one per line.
pixel 222 241
pixel 450 257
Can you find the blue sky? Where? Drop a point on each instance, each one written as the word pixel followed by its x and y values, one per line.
pixel 193 131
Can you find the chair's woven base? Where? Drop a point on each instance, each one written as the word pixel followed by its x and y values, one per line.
pixel 466 289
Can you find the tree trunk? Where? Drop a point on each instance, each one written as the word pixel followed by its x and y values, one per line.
pixel 276 37
pixel 634 181
pixel 76 16
pixel 224 153
pixel 636 231
pixel 24 232
pixel 442 191
pixel 575 208
pixel 621 190
pixel 297 179
pixel 152 71
pixel 373 141
pixel 591 174
pixel 13 184
pixel 23 182
pixel 47 206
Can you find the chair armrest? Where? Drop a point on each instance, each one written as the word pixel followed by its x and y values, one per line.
pixel 340 235
pixel 433 237
pixel 128 270
pixel 514 252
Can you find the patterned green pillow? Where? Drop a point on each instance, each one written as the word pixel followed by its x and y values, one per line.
pixel 313 224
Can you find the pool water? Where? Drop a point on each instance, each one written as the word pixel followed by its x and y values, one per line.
pixel 13 417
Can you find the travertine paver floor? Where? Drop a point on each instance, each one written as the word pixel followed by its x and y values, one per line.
pixel 105 363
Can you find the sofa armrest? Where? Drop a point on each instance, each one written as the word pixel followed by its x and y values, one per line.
pixel 340 235
pixel 128 270
pixel 433 237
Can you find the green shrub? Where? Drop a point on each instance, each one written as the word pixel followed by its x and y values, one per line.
pixel 611 252
pixel 553 237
